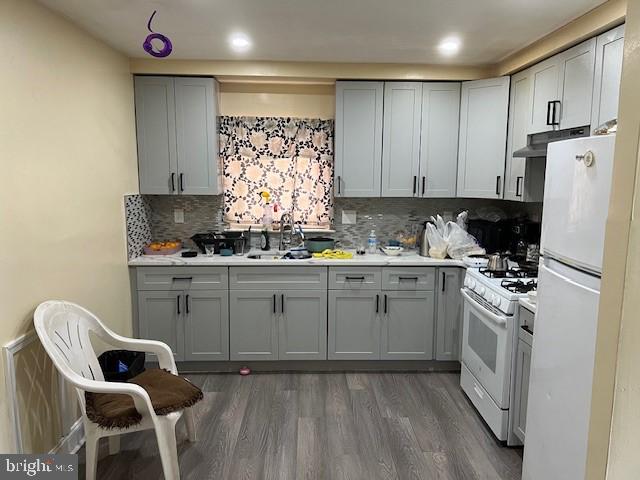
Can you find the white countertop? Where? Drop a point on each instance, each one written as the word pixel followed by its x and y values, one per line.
pixel 372 260
pixel 528 304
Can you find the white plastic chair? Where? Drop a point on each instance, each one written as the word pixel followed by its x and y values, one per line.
pixel 64 328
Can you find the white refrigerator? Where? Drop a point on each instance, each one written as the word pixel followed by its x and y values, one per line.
pixel 576 203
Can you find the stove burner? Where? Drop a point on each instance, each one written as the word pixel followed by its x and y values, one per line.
pixel 522 272
pixel 519 286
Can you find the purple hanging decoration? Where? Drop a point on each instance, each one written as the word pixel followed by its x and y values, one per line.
pixel 148 46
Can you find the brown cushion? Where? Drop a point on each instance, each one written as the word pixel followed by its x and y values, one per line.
pixel 168 393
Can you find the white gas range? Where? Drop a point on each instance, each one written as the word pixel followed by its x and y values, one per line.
pixel 489 342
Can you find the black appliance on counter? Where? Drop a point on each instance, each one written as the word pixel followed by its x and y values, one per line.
pixel 219 240
pixel 504 235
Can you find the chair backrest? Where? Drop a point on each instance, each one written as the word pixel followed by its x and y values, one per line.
pixel 64 328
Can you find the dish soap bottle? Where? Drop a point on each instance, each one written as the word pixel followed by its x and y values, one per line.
pixel 372 242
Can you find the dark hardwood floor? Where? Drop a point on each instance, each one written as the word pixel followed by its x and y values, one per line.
pixel 326 426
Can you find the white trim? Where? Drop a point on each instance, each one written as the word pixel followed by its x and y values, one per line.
pixel 9 350
pixel 73 441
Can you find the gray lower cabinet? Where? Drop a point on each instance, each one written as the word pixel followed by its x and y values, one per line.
pixel 253 324
pixel 354 325
pixel 449 313
pixel 160 318
pixel 206 314
pixel 523 368
pixel 302 325
pixel 407 325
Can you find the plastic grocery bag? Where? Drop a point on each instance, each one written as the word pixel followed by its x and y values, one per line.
pixel 437 243
pixel 460 244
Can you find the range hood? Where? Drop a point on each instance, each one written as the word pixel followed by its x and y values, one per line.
pixel 537 143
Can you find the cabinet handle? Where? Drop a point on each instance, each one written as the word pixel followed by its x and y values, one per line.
pixel 274 303
pixel 444 281
pixel 549 112
pixel 282 303
pixel 415 183
pixel 178 303
pixel 498 184
pixel 348 279
pixel 377 303
pixel 181 182
pixel 554 122
pixel 181 278
pixel 338 182
pixel 518 192
pixel 173 182
pixel 424 179
pixel 385 303
pixel 415 279
pixel 186 303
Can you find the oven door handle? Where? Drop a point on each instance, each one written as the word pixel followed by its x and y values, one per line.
pixel 497 319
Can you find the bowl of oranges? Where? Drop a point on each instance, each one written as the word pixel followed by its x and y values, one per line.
pixel 163 248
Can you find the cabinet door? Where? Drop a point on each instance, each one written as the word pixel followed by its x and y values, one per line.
pixel 449 316
pixel 156 135
pixel 253 332
pixel 576 84
pixel 160 317
pixel 197 136
pixel 544 91
pixel 483 137
pixel 206 325
pixel 523 367
pixel 358 139
pixel 303 325
pixel 401 139
pixel 407 325
pixel 608 74
pixel 354 325
pixel 439 139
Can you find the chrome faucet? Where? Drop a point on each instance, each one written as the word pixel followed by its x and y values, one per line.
pixel 292 230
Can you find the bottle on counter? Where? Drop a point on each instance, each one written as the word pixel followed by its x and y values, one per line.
pixel 372 242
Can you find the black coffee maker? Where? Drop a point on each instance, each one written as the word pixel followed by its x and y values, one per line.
pixel 523 233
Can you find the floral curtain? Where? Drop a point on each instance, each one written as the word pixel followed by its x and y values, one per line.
pixel 291 158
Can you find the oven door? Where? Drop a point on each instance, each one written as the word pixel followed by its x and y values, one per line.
pixel 487 344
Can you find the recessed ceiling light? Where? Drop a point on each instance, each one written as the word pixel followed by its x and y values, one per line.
pixel 449 46
pixel 239 42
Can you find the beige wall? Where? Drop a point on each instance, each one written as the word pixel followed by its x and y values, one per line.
pixel 279 100
pixel 68 155
pixel 618 347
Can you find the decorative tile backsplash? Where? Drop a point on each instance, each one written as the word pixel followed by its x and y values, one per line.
pixel 385 215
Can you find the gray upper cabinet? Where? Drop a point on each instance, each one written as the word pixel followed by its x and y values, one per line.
pixel 177 135
pixel 302 326
pixel 206 325
pixel 253 324
pixel 160 318
pixel 358 139
pixel 407 325
pixel 562 89
pixel 449 314
pixel 608 74
pixel 483 137
pixel 354 325
pixel 156 127
pixel 197 136
pixel 401 139
pixel 439 139
pixel 524 178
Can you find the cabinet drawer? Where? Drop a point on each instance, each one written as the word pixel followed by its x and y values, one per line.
pixel 354 278
pixel 275 278
pixel 182 278
pixel 408 278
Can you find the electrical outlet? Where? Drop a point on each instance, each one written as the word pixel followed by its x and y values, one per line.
pixel 178 215
pixel 349 217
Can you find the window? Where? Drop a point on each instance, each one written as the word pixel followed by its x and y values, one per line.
pixel 291 158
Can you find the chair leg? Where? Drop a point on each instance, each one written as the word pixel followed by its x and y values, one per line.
pixel 114 444
pixel 166 435
pixel 91 450
pixel 191 424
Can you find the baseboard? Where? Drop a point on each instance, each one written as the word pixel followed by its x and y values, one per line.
pixel 72 442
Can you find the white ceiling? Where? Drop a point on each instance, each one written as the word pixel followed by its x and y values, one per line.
pixel 395 31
